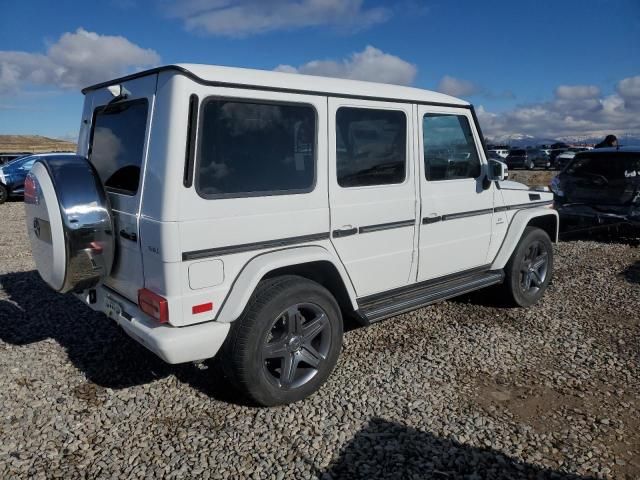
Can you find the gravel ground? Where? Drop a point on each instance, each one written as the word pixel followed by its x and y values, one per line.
pixel 462 389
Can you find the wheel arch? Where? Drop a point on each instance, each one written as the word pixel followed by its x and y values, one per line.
pixel 543 218
pixel 312 262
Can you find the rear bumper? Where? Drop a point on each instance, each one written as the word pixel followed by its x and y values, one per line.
pixel 172 344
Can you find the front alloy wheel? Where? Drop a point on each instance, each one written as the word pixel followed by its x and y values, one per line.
pixel 530 268
pixel 533 268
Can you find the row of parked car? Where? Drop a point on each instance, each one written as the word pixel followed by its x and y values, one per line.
pixel 555 157
pixel 13 174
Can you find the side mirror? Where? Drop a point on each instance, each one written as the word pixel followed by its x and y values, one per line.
pixel 498 171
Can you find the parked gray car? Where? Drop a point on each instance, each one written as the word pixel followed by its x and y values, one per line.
pixel 529 158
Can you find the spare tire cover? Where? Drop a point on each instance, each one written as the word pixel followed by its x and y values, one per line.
pixel 69 222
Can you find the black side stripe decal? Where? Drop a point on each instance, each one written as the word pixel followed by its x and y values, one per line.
pixel 248 247
pixel 486 211
pixel 386 226
pixel 284 242
pixel 472 213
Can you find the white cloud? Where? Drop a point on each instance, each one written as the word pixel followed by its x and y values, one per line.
pixel 241 18
pixel 371 64
pixel 457 87
pixel 577 92
pixel 574 112
pixel 76 60
pixel 629 89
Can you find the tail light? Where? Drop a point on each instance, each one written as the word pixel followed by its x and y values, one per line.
pixel 153 305
pixel 30 190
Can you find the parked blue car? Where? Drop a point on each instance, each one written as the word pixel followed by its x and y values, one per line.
pixel 12 174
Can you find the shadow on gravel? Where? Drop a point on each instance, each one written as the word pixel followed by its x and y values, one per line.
pixel 385 449
pixel 94 344
pixel 620 234
pixel 632 273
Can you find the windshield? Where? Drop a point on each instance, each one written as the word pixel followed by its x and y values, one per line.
pixel 117 144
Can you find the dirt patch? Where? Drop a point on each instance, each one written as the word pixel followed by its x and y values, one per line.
pixel 91 393
pixel 531 404
pixel 533 178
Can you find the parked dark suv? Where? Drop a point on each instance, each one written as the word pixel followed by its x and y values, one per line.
pixel 529 158
pixel 599 187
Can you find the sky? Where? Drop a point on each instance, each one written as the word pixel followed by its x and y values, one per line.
pixel 544 68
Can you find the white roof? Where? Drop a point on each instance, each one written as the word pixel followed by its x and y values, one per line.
pixel 316 84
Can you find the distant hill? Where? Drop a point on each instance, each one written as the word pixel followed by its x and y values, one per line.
pixel 34 144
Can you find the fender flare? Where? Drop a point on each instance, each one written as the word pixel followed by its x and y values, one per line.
pixel 516 227
pixel 260 265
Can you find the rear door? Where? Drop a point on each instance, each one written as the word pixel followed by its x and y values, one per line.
pixel 603 178
pixel 116 143
pixel 372 192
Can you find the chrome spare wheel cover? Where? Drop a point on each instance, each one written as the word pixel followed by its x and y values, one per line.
pixel 69 223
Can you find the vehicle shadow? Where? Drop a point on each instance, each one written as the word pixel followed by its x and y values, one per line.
pixel 620 234
pixel 32 312
pixel 632 273
pixel 384 449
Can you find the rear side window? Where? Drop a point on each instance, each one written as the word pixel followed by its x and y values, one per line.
pixel 449 149
pixel 117 144
pixel 250 149
pixel 371 147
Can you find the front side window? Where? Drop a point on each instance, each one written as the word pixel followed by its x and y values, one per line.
pixel 250 149
pixel 117 144
pixel 449 149
pixel 371 147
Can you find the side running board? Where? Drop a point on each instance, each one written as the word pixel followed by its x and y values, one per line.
pixel 378 307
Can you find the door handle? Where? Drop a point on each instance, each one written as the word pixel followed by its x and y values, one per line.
pixel 132 236
pixel 431 218
pixel 345 231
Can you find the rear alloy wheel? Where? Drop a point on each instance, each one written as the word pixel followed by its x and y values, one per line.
pixel 529 270
pixel 286 343
pixel 4 194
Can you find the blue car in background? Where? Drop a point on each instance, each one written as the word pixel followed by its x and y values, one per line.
pixel 12 174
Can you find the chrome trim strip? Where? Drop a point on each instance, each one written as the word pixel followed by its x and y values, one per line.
pixel 248 247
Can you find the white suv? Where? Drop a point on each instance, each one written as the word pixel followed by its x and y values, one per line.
pixel 243 214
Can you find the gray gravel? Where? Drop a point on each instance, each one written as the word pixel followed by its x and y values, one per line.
pixel 462 389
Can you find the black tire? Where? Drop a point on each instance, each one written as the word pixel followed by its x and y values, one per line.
pixel 264 329
pixel 521 265
pixel 4 194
